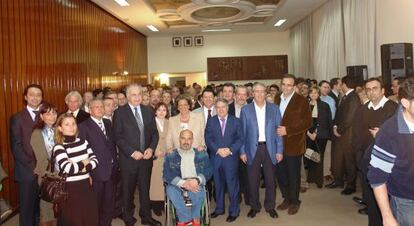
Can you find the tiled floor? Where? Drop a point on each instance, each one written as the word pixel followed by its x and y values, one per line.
pixel 320 207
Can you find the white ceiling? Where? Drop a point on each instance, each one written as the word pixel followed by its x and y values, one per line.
pixel 139 14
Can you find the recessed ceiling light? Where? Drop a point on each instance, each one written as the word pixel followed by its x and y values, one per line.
pixel 122 2
pixel 280 22
pixel 216 30
pixel 152 28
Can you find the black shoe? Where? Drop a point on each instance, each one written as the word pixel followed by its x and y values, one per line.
pixel 272 213
pixel 231 218
pixel 335 184
pixel 252 213
pixel 150 221
pixel 363 211
pixel 358 200
pixel 348 191
pixel 215 214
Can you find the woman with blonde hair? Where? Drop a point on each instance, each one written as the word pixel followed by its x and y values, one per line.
pixel 75 159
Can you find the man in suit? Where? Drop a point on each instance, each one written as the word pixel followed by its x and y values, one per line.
pixel 241 99
pixel 87 97
pixel 136 135
pixel 228 92
pixel 21 127
pixel 224 140
pixel 98 132
pixel 261 148
pixel 335 92
pixel 208 97
pixel 74 101
pixel 296 120
pixel 343 155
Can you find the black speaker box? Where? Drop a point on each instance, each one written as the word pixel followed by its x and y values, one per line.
pixel 359 73
pixel 396 61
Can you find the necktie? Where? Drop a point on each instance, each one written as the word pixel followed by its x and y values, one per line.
pixel 36 113
pixel 208 113
pixel 223 125
pixel 102 126
pixel 141 129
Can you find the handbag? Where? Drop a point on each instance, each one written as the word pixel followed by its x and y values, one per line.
pixel 312 155
pixel 53 187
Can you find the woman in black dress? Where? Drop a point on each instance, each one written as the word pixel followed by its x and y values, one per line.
pixel 318 135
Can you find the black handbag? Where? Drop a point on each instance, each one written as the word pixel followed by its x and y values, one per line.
pixel 53 187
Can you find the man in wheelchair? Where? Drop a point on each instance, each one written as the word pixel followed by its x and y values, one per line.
pixel 186 172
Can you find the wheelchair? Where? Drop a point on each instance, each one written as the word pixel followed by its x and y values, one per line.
pixel 171 216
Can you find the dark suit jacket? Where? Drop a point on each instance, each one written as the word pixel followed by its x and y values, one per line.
pixel 331 94
pixel 102 146
pixel 324 125
pixel 127 135
pixel 297 119
pixel 232 109
pixel 21 128
pixel 345 114
pixel 82 116
pixel 233 139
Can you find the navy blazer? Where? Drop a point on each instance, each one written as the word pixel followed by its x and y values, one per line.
pixel 21 128
pixel 232 138
pixel 102 146
pixel 274 143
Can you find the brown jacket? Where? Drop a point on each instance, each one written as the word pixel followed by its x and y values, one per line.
pixel 297 119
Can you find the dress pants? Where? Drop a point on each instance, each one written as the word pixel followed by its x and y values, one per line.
pixel 243 180
pixel 29 202
pixel 105 192
pixel 344 160
pixel 225 175
pixel 139 176
pixel 337 160
pixel 262 158
pixel 288 176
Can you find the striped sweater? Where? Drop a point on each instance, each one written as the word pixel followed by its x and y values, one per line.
pixel 392 157
pixel 69 156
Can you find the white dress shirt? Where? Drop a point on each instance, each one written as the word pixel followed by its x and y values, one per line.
pixel 284 102
pixel 74 113
pixel 379 105
pixel 32 114
pixel 206 113
pixel 261 121
pixel 237 109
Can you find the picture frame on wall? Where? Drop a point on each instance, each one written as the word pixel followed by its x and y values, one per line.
pixel 176 41
pixel 198 41
pixel 188 41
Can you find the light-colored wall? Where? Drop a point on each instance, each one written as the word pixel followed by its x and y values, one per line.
pixel 163 58
pixel 395 23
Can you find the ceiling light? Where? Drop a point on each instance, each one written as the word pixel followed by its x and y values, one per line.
pixel 216 30
pixel 280 22
pixel 152 28
pixel 122 2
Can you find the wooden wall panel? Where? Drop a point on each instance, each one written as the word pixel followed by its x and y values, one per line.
pixel 247 67
pixel 63 46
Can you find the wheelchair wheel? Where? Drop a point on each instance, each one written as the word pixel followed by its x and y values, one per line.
pixel 170 215
pixel 205 212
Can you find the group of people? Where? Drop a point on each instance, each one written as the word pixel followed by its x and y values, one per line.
pixel 181 142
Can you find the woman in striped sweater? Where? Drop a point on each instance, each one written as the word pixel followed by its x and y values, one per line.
pixel 76 159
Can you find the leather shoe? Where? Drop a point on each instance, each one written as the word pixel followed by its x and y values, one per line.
pixel 272 213
pixel 335 184
pixel 348 191
pixel 293 209
pixel 215 214
pixel 363 211
pixel 358 200
pixel 252 213
pixel 150 221
pixel 284 206
pixel 231 218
